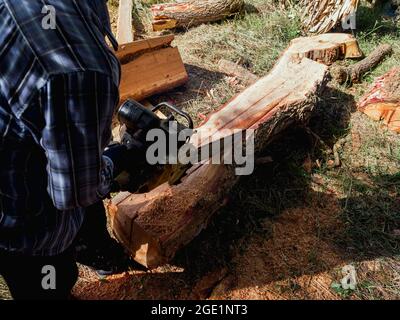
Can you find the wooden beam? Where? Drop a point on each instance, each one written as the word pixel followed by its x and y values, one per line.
pixel 155 225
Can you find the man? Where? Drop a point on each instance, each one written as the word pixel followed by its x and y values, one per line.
pixel 58 92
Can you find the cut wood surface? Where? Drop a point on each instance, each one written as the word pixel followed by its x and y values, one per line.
pixel 354 73
pixel 155 225
pixel 192 12
pixel 382 101
pixel 150 67
pixel 124 23
pixel 321 16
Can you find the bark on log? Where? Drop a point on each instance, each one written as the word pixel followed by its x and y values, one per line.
pixel 155 225
pixel 150 67
pixel 382 101
pixel 354 73
pixel 192 12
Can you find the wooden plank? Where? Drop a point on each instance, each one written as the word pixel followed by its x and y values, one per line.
pixel 149 67
pixel 128 50
pixel 151 73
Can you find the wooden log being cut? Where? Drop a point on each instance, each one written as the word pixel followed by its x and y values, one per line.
pixel 155 225
pixel 382 101
pixel 192 12
pixel 150 67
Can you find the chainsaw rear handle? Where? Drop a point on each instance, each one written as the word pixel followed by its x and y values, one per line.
pixel 176 110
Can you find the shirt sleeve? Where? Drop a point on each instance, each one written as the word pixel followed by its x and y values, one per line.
pixel 78 110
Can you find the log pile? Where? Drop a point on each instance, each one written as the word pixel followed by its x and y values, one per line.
pixel 382 101
pixel 191 13
pixel 321 16
pixel 155 225
pixel 150 67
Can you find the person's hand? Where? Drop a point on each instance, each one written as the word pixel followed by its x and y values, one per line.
pixel 125 157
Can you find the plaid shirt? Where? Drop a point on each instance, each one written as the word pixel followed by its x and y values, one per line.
pixel 58 92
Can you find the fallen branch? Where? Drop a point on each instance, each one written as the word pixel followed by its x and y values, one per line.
pixel 235 70
pixel 354 73
pixel 155 225
pixel 192 12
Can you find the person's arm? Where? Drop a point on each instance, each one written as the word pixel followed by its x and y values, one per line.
pixel 78 110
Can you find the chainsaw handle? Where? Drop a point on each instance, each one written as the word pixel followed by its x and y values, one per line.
pixel 176 110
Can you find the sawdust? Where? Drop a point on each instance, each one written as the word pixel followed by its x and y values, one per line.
pixel 166 214
pixel 293 262
pixel 159 284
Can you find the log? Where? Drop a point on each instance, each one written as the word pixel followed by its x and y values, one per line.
pixel 235 70
pixel 150 67
pixel 192 12
pixel 155 225
pixel 124 23
pixel 382 101
pixel 354 73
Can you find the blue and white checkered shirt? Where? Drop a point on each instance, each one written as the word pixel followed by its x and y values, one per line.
pixel 58 92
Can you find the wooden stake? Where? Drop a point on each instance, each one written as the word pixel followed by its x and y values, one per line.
pixel 124 24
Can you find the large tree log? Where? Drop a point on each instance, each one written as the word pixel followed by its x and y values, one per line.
pixel 153 226
pixel 192 12
pixel 382 101
pixel 354 73
pixel 149 67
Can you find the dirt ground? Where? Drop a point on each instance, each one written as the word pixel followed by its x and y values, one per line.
pixel 290 228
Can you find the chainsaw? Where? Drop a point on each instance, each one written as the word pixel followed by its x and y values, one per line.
pixel 136 122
